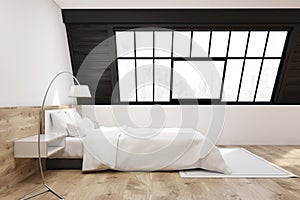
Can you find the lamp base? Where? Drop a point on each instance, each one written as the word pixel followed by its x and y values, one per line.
pixel 48 189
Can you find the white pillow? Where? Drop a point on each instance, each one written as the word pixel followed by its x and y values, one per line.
pixel 60 120
pixel 74 116
pixel 76 130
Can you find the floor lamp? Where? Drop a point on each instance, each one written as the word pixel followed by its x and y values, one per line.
pixel 75 91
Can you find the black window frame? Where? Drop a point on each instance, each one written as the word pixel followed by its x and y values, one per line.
pixel 192 28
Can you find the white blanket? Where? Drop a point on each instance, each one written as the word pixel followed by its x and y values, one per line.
pixel 145 149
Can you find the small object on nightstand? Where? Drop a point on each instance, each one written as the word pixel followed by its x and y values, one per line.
pixel 50 144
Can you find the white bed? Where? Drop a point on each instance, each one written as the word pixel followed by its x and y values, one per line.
pixel 73 149
pixel 138 149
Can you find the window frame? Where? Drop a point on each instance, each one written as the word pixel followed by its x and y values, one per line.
pixel 193 28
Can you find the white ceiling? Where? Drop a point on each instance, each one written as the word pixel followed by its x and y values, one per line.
pixel 122 4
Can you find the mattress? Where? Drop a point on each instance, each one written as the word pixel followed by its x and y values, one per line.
pixel 72 150
pixel 149 149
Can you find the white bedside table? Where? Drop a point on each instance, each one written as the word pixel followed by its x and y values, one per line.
pixel 28 147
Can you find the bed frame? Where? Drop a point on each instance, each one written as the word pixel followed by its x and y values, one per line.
pixel 61 163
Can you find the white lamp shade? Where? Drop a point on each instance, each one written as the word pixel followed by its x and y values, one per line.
pixel 80 91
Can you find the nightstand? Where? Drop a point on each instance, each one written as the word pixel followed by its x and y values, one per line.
pixel 50 144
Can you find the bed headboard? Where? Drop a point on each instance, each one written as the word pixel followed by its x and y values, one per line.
pixel 48 122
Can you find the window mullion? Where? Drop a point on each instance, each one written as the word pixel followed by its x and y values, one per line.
pixel 225 64
pixel 153 71
pixel 191 43
pixel 171 81
pixel 209 45
pixel 135 67
pixel 241 78
pixel 262 61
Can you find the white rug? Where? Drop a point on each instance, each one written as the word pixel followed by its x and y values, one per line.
pixel 243 164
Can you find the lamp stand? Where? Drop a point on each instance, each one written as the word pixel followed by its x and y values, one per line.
pixel 48 189
pixel 31 194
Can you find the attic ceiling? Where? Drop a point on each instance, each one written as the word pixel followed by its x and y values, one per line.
pixel 107 4
pixel 98 67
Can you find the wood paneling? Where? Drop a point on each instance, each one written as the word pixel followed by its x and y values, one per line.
pixel 183 16
pixel 290 86
pixel 16 123
pixel 73 184
pixel 91 59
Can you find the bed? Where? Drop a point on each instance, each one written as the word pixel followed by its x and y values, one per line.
pixel 134 149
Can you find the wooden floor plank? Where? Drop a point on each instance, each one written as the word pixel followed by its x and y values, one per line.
pixel 73 184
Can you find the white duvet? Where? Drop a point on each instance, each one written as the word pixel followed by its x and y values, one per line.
pixel 148 149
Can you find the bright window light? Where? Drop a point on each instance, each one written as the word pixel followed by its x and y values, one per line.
pixel 276 43
pixel 163 43
pixel 250 76
pixel 200 43
pixel 162 78
pixel 126 72
pixel 232 79
pixel 144 69
pixel 267 79
pixel 257 43
pixel 238 42
pixel 219 43
pixel 144 43
pixel 125 43
pixel 197 79
pixel 182 43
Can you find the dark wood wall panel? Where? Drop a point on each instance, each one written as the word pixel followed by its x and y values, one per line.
pixel 290 86
pixel 89 28
pixel 180 16
pixel 91 57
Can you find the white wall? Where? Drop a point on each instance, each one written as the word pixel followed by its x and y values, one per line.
pixel 261 125
pixel 238 125
pixel 33 48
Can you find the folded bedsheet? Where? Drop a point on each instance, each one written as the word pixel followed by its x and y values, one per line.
pixel 149 149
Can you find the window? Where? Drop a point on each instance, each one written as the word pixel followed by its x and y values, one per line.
pixel 229 66
pixel 197 79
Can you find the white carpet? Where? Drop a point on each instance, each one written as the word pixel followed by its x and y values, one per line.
pixel 243 164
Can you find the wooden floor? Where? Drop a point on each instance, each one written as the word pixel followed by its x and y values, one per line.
pixel 72 184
